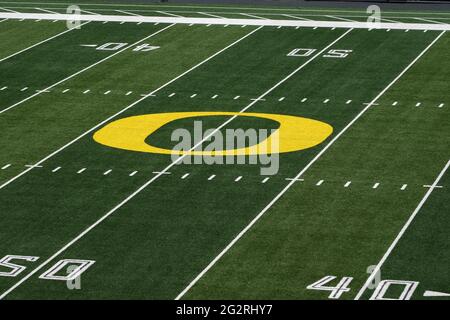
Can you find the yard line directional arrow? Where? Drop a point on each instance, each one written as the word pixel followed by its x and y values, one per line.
pixel 435 294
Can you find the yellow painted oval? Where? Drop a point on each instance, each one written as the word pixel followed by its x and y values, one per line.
pixel 295 133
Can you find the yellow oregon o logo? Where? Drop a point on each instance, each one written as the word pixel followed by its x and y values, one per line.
pixel 294 133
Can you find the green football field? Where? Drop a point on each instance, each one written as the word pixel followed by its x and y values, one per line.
pixel 364 214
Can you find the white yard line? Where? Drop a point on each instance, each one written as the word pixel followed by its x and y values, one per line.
pixel 9 10
pixel 130 197
pixel 296 17
pixel 170 14
pixel 431 21
pixel 211 15
pixel 46 10
pixel 217 21
pixel 340 18
pixel 39 43
pixel 252 16
pixel 129 13
pixel 83 70
pixel 401 233
pixel 300 174
pixel 389 20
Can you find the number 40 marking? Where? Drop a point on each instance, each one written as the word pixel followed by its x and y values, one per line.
pixel 336 291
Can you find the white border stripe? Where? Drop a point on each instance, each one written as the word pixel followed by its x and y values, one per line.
pixel 298 176
pixel 217 21
pixel 401 233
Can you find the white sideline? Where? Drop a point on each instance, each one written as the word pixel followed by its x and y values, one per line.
pixel 39 43
pixel 126 200
pixel 300 174
pixel 401 233
pixel 79 72
pixel 218 21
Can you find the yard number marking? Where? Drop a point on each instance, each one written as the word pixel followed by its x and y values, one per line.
pixel 336 291
pixel 52 273
pixel 408 289
pixel 15 268
pixel 114 46
pixel 333 53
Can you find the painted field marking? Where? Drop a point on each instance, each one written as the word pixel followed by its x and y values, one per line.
pixel 145 185
pixel 238 179
pixel 6 166
pixel 4 88
pixel 184 176
pixel 65 90
pixel 418 104
pixel 257 99
pixel 326 100
pixel 281 99
pixel 194 95
pixel 429 293
pixel 161 172
pixel 24 89
pixel 81 170
pixel 348 102
pixel 86 91
pixel 347 184
pixel 295 179
pixel 56 169
pixel 170 14
pixel 237 97
pixel 296 17
pixel 404 187
pixel 211 177
pixel 376 185
pixel 394 103
pixel 432 186
pixel 441 105
pixel 48 11
pixel 107 92
pixel 319 183
pixel 9 10
pixel 304 99
pixel 39 43
pixel 252 16
pixel 211 15
pixel 428 20
pixel 377 269
pixel 340 18
pixel 265 180
pixel 128 93
pixel 300 174
pixel 171 95
pixel 85 69
pixel 129 13
pixel 132 174
pixel 214 96
pixel 107 172
pixel 32 166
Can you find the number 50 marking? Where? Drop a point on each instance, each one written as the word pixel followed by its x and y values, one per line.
pixel 50 274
